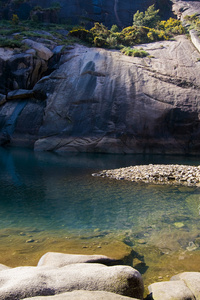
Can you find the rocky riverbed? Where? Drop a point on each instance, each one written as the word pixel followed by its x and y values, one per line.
pixel 158 174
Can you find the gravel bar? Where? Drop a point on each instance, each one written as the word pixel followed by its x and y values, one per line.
pixel 157 174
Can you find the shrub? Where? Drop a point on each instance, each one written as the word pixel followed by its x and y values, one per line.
pixel 100 30
pixel 100 42
pixel 134 52
pixel 82 34
pixel 10 43
pixel 112 42
pixel 15 19
pixel 171 26
pixel 148 19
pixel 192 18
pixel 114 28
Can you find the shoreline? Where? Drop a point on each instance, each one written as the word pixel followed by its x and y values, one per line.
pixel 157 174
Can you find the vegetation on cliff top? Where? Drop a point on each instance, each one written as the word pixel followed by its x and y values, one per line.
pixel 146 28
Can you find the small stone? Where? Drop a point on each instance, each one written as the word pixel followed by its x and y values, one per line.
pixel 179 224
pixel 30 241
pixel 141 241
pixel 191 246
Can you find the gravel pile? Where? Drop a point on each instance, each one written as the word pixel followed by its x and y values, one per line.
pixel 159 174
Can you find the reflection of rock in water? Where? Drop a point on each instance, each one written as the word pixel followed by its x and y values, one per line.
pixel 8 167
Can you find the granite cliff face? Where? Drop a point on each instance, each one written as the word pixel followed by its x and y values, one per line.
pixel 102 101
pixel 110 12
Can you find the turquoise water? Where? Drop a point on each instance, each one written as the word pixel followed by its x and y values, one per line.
pixel 47 191
pixel 46 197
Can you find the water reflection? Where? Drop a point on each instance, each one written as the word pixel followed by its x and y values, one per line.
pixel 51 191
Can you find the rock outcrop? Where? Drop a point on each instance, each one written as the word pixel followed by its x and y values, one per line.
pixel 102 101
pixel 184 8
pixel 73 274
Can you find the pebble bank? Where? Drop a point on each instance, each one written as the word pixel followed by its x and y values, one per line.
pixel 157 174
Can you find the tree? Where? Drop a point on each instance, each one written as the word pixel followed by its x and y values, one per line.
pixel 148 19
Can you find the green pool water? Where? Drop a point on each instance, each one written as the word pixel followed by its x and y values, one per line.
pixel 51 196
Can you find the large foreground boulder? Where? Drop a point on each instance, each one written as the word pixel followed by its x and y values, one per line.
pixel 84 295
pixel 22 282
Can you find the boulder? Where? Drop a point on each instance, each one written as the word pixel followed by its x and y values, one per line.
pixel 24 282
pixel 42 51
pixel 192 281
pixel 20 70
pixel 84 295
pixel 54 259
pixel 170 290
pixel 3 267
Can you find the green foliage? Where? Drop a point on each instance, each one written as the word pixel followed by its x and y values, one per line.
pixel 112 42
pixel 10 43
pixel 82 34
pixel 100 42
pixel 148 19
pixel 146 28
pixel 134 52
pixel 193 21
pixel 114 28
pixel 15 19
pixel 100 30
pixel 192 18
pixel 171 26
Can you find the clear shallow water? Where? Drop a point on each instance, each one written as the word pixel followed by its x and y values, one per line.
pixel 47 192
